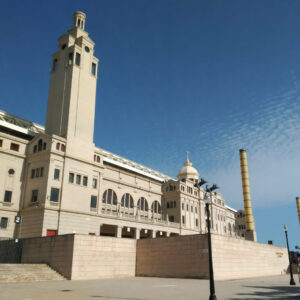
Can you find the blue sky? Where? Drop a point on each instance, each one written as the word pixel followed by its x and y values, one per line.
pixel 210 77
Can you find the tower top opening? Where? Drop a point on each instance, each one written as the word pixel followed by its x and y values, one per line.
pixel 79 19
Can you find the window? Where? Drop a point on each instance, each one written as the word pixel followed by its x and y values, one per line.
pixel 78 179
pixel 57 146
pixel 63 147
pixel 77 59
pixel 168 205
pixel 171 219
pixel 174 204
pixel 42 172
pixel 1 143
pixel 191 208
pixel 195 209
pixel 94 69
pixel 14 147
pixel 56 174
pixel 187 207
pixel 35 148
pixel 109 197
pixel 37 173
pixel 7 196
pixel 93 201
pixel 171 204
pixel 127 201
pixel 70 59
pixel 34 195
pixel 182 206
pixel 44 146
pixel 32 173
pixel 95 183
pixel 183 220
pixel 54 195
pixel 197 224
pixel 3 223
pixel 40 145
pixel 156 208
pixel 85 180
pixel 54 65
pixel 71 177
pixel 142 204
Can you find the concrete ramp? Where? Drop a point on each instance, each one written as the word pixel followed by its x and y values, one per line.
pixel 27 272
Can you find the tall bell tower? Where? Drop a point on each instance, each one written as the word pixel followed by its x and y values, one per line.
pixel 72 92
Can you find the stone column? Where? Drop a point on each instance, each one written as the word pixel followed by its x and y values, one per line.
pixel 137 233
pixel 153 234
pixel 168 234
pixel 119 231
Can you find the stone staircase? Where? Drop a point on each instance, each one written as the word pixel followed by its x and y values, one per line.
pixel 27 272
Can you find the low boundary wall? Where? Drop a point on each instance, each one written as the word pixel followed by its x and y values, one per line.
pixel 187 257
pixel 83 256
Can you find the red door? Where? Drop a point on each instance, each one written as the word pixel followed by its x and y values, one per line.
pixel 51 232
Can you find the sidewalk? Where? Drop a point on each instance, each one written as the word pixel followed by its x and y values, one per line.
pixel 275 288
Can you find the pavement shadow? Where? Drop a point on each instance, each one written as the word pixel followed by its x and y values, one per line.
pixel 271 292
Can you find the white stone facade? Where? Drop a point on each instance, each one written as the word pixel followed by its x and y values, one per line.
pixel 59 182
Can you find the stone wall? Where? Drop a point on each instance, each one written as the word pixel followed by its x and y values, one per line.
pixel 56 251
pixel 180 257
pixel 83 256
pixel 102 257
pixel 187 257
pixel 236 258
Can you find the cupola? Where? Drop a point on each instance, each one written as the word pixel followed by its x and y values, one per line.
pixel 79 19
pixel 188 172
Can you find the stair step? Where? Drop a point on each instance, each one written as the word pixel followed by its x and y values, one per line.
pixel 27 272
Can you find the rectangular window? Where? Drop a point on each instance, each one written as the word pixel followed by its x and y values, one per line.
pixel 171 219
pixel 71 177
pixel 54 195
pixel 191 208
pixel 77 59
pixel 32 173
pixel 168 205
pixel 54 64
pixel 187 207
pixel 56 174
pixel 93 201
pixel 182 206
pixel 95 183
pixel 78 179
pixel 195 209
pixel 70 59
pixel 37 173
pixel 3 223
pixel 34 195
pixel 7 196
pixel 94 69
pixel 14 147
pixel 197 223
pixel 42 172
pixel 1 142
pixel 84 180
pixel 183 220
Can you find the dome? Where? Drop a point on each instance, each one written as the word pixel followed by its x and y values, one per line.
pixel 188 172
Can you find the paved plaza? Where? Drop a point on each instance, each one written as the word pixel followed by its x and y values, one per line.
pixel 275 288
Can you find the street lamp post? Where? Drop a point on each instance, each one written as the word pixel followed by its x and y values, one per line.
pixel 211 271
pixel 292 281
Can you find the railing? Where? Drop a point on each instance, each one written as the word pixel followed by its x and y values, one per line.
pixel 139 216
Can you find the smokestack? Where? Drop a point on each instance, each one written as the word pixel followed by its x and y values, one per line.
pixel 298 207
pixel 250 228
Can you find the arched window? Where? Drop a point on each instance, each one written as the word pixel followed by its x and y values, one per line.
pixel 40 145
pixel 142 204
pixel 127 200
pixel 156 207
pixel 109 197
